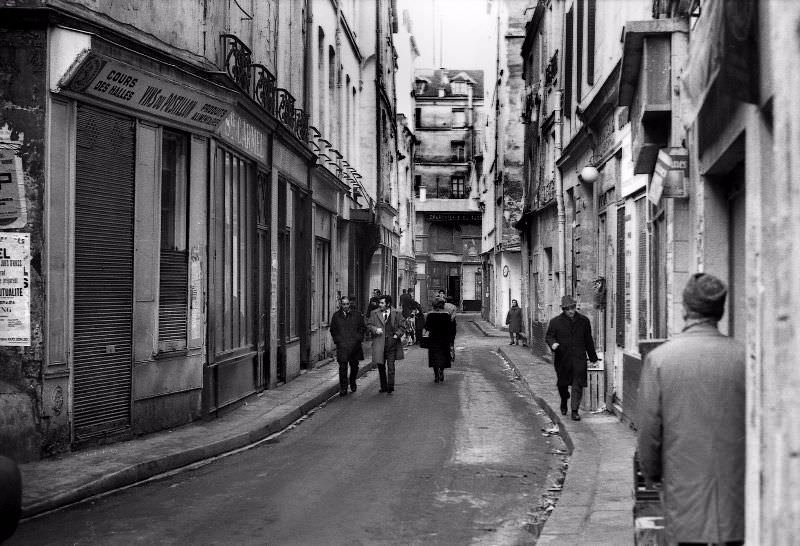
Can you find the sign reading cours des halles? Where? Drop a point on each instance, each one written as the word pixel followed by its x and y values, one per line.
pixel 15 289
pixel 121 84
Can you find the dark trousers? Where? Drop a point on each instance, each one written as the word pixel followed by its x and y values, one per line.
pixel 731 543
pixel 386 370
pixel 343 382
pixel 577 395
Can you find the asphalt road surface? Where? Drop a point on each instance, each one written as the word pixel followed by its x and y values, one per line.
pixel 462 462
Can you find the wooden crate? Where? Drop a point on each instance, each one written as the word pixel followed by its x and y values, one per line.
pixel 594 396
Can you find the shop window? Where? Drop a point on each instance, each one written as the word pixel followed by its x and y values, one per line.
pixel 233 237
pixel 174 256
pixel 417 184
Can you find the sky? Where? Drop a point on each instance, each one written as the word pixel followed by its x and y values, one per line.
pixel 460 27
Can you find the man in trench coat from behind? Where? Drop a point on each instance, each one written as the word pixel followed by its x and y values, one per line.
pixel 691 419
pixel 569 336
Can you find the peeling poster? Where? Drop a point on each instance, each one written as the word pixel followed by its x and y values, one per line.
pixel 13 212
pixel 15 291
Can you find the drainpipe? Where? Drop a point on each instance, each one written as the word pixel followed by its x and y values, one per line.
pixel 559 187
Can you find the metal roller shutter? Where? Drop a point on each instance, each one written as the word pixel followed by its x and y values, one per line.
pixel 104 214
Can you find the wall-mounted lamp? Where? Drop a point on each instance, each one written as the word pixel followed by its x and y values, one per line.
pixel 589 174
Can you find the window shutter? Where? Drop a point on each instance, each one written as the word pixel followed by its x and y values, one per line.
pixel 590 41
pixel 620 310
pixel 568 66
pixel 579 55
pixel 641 266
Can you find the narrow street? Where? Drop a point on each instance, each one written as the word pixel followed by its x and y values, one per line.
pixel 464 462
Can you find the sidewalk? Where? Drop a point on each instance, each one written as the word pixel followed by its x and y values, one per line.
pixel 596 502
pixel 58 481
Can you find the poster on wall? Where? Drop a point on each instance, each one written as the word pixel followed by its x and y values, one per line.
pixel 13 212
pixel 15 291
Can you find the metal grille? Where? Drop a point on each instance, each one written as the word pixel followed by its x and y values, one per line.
pixel 104 198
pixel 173 297
pixel 641 266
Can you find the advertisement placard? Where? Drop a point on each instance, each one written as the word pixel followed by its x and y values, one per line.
pixel 15 289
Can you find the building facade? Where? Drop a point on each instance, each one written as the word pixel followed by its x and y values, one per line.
pixel 176 191
pixel 448 218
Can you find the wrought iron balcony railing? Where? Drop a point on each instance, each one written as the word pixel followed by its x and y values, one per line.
pixel 256 81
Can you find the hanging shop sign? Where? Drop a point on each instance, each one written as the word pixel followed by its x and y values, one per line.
pixel 15 291
pixel 13 210
pixel 121 84
pixel 669 175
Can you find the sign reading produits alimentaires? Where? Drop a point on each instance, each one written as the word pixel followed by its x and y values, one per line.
pixel 121 84
pixel 15 289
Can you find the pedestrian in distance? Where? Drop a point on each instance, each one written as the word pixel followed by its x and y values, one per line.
pixel 441 332
pixel 691 420
pixel 405 303
pixel 373 301
pixel 347 330
pixel 514 322
pixel 448 304
pixel 387 328
pixel 569 336
pixel 419 323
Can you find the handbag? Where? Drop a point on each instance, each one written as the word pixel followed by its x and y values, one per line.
pixel 423 341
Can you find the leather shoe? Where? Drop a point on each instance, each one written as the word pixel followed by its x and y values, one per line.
pixel 391 390
pixel 383 390
pixel 353 387
pixel 563 407
pixel 575 416
pixel 343 393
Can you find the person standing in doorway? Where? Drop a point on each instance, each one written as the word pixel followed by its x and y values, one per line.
pixel 692 423
pixel 569 336
pixel 347 330
pixel 514 322
pixel 387 327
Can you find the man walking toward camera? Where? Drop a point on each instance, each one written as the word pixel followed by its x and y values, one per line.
pixel 691 419
pixel 569 336
pixel 347 330
pixel 387 327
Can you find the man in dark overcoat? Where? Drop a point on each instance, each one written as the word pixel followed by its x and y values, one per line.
pixel 387 327
pixel 692 422
pixel 569 336
pixel 347 330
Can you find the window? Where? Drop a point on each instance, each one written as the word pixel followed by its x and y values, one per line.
pixel 323 84
pixel 459 117
pixel 322 283
pixel 420 86
pixel 457 187
pixel 458 151
pixel 417 117
pixel 174 257
pixel 443 238
pixel 458 88
pixel 417 184
pixel 233 238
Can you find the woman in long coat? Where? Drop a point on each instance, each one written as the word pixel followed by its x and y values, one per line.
pixel 442 332
pixel 514 322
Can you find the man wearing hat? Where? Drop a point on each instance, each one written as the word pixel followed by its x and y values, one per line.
pixel 691 419
pixel 569 336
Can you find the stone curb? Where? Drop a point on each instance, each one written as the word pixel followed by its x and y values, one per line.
pixel 554 416
pixel 135 473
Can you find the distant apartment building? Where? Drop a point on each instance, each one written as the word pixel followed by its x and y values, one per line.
pixel 447 164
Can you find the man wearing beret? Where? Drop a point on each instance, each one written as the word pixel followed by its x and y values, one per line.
pixel 691 419
pixel 569 336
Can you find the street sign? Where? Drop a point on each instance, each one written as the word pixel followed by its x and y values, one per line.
pixel 669 174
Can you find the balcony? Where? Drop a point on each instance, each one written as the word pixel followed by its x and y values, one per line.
pixel 258 83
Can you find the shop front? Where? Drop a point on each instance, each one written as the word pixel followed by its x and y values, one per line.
pixel 129 146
